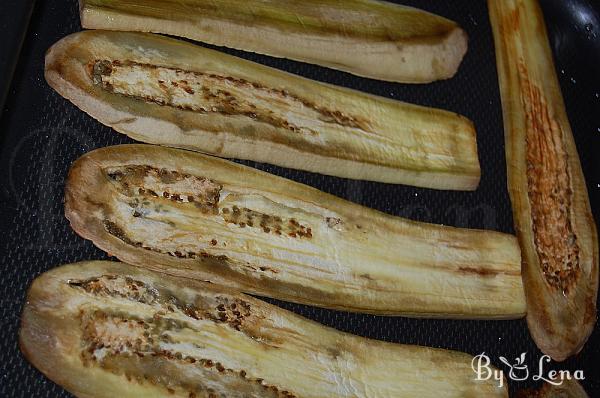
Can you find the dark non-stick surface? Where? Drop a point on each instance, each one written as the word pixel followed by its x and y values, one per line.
pixel 13 26
pixel 42 134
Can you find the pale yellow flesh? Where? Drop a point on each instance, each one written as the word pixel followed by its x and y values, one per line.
pixel 274 237
pixel 551 208
pixel 106 329
pixel 168 92
pixel 364 37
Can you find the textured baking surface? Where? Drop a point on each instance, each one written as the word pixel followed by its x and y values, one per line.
pixel 41 134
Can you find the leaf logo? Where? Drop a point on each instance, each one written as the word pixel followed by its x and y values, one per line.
pixel 519 370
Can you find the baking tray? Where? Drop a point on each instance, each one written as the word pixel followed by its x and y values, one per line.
pixel 42 134
pixel 13 26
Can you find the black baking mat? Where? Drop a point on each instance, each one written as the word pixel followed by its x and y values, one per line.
pixel 41 134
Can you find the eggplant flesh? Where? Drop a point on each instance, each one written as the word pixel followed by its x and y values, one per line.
pixel 168 92
pixel 364 37
pixel 551 208
pixel 106 329
pixel 206 218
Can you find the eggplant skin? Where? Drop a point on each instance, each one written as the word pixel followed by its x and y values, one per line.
pixel 551 208
pixel 165 91
pixel 368 38
pixel 107 329
pixel 206 218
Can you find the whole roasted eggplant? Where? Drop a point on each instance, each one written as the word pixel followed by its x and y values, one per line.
pixel 365 37
pixel 206 218
pixel 105 329
pixel 550 202
pixel 165 91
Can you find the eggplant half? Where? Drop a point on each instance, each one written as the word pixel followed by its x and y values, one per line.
pixel 164 91
pixel 105 329
pixel 551 208
pixel 205 218
pixel 364 37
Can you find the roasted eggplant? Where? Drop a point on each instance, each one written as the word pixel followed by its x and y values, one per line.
pixel 164 91
pixel 105 329
pixel 550 202
pixel 368 38
pixel 206 218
